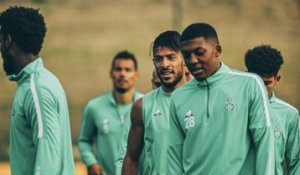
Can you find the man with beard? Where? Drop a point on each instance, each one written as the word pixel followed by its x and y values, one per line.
pixel 155 82
pixel 219 121
pixel 105 116
pixel 149 130
pixel 40 137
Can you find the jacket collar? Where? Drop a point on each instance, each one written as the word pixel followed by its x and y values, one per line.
pixel 112 100
pixel 30 68
pixel 214 78
pixel 272 98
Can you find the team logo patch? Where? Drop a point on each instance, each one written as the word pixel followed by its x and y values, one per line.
pixel 189 120
pixel 105 126
pixel 229 105
pixel 157 113
pixel 277 132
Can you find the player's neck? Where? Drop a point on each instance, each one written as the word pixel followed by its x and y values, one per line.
pixel 124 98
pixel 23 59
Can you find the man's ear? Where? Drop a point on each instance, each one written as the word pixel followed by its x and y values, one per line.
pixel 7 41
pixel 277 78
pixel 219 50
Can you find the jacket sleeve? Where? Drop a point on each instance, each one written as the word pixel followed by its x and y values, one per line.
pixel 176 140
pixel 40 107
pixel 293 146
pixel 122 149
pixel 86 137
pixel 260 129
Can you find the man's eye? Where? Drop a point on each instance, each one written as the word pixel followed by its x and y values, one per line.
pixel 172 57
pixel 157 59
pixel 267 83
pixel 199 53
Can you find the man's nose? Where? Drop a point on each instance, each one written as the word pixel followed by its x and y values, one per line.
pixel 193 58
pixel 165 62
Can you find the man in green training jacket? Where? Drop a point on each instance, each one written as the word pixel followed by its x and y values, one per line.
pixel 155 82
pixel 149 130
pixel 219 121
pixel 40 137
pixel 266 62
pixel 105 117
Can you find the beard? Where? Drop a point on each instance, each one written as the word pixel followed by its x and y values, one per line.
pixel 8 63
pixel 172 84
pixel 121 90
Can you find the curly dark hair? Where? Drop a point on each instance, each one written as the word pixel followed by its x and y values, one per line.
pixel 263 60
pixel 26 26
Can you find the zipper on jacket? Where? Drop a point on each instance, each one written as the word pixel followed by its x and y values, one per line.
pixel 207 104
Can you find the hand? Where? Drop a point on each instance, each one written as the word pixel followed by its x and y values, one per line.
pixel 95 169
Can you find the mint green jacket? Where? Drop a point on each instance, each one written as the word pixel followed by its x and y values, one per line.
pixel 40 137
pixel 285 122
pixel 103 123
pixel 221 125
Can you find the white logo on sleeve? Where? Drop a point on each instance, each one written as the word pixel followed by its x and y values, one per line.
pixel 157 113
pixel 105 126
pixel 189 120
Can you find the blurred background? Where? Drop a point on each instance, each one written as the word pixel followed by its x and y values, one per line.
pixel 84 35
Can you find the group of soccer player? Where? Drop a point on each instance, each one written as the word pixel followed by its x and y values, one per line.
pixel 202 117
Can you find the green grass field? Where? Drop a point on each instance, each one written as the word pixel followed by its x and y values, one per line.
pixel 83 36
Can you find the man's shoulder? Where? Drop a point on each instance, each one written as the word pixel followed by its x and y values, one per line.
pixel 185 89
pixel 150 95
pixel 241 75
pixel 285 107
pixel 99 100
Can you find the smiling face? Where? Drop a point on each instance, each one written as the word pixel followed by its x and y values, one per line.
pixel 124 75
pixel 201 56
pixel 169 66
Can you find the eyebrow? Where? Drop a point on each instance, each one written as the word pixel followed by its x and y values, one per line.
pixel 193 50
pixel 171 54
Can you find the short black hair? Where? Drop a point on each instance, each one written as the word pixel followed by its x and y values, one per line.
pixel 199 30
pixel 169 39
pixel 126 56
pixel 263 60
pixel 26 26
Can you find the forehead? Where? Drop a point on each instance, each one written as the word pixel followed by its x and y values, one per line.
pixel 123 62
pixel 192 44
pixel 164 51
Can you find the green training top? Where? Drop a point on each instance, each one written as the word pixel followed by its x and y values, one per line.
pixel 285 122
pixel 40 137
pixel 122 152
pixel 219 125
pixel 103 120
pixel 156 117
